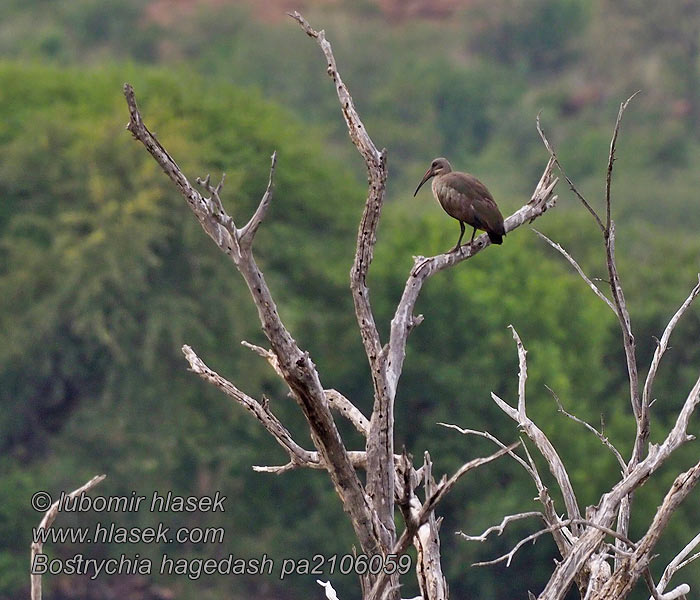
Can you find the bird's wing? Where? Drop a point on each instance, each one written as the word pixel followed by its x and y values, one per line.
pixel 490 215
pixel 468 185
pixel 478 195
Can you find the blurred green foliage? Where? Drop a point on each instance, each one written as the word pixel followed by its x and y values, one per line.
pixel 104 273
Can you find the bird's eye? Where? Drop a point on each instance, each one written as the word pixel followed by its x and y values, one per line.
pixel 434 164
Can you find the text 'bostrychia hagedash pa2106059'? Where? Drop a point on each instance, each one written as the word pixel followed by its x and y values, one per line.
pixel 465 198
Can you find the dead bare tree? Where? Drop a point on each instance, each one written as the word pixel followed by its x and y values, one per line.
pixel 586 555
pixel 392 479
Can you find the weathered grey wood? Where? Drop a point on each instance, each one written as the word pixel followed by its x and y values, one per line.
pixel 633 567
pixel 380 443
pixel 335 399
pixel 371 512
pixel 642 461
pixel 546 448
pixel 46 522
pixel 298 369
pixel 679 561
pixel 606 511
pixel 391 477
pixel 662 344
pixel 419 525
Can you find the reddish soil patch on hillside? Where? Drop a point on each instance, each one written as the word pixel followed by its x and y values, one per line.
pixel 168 12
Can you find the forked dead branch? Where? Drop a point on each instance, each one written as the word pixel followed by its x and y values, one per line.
pixel 392 480
pixel 582 542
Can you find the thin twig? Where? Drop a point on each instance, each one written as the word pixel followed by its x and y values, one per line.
pixel 623 316
pixel 358 459
pixel 649 580
pixel 444 488
pixel 297 454
pixel 571 183
pixel 554 461
pixel 488 436
pixel 501 526
pixel 579 270
pixel 688 561
pixel 563 540
pixel 611 158
pixel 508 557
pixel 248 231
pixel 662 344
pixel 590 427
pixel 335 399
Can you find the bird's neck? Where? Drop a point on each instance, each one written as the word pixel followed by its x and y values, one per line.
pixel 436 184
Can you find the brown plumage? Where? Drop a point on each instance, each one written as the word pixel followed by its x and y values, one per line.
pixel 465 198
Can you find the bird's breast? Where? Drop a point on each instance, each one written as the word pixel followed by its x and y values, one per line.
pixel 453 202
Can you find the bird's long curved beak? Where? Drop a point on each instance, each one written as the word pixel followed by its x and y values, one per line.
pixel 428 174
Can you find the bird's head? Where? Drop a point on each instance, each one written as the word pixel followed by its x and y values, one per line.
pixel 439 166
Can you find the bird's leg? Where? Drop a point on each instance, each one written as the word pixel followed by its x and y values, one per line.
pixel 461 235
pixel 473 234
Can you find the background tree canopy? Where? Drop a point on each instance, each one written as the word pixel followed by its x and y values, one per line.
pixel 104 273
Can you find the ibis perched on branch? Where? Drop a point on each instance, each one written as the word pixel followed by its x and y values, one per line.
pixel 465 198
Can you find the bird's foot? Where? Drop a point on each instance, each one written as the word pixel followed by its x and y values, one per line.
pixel 455 249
